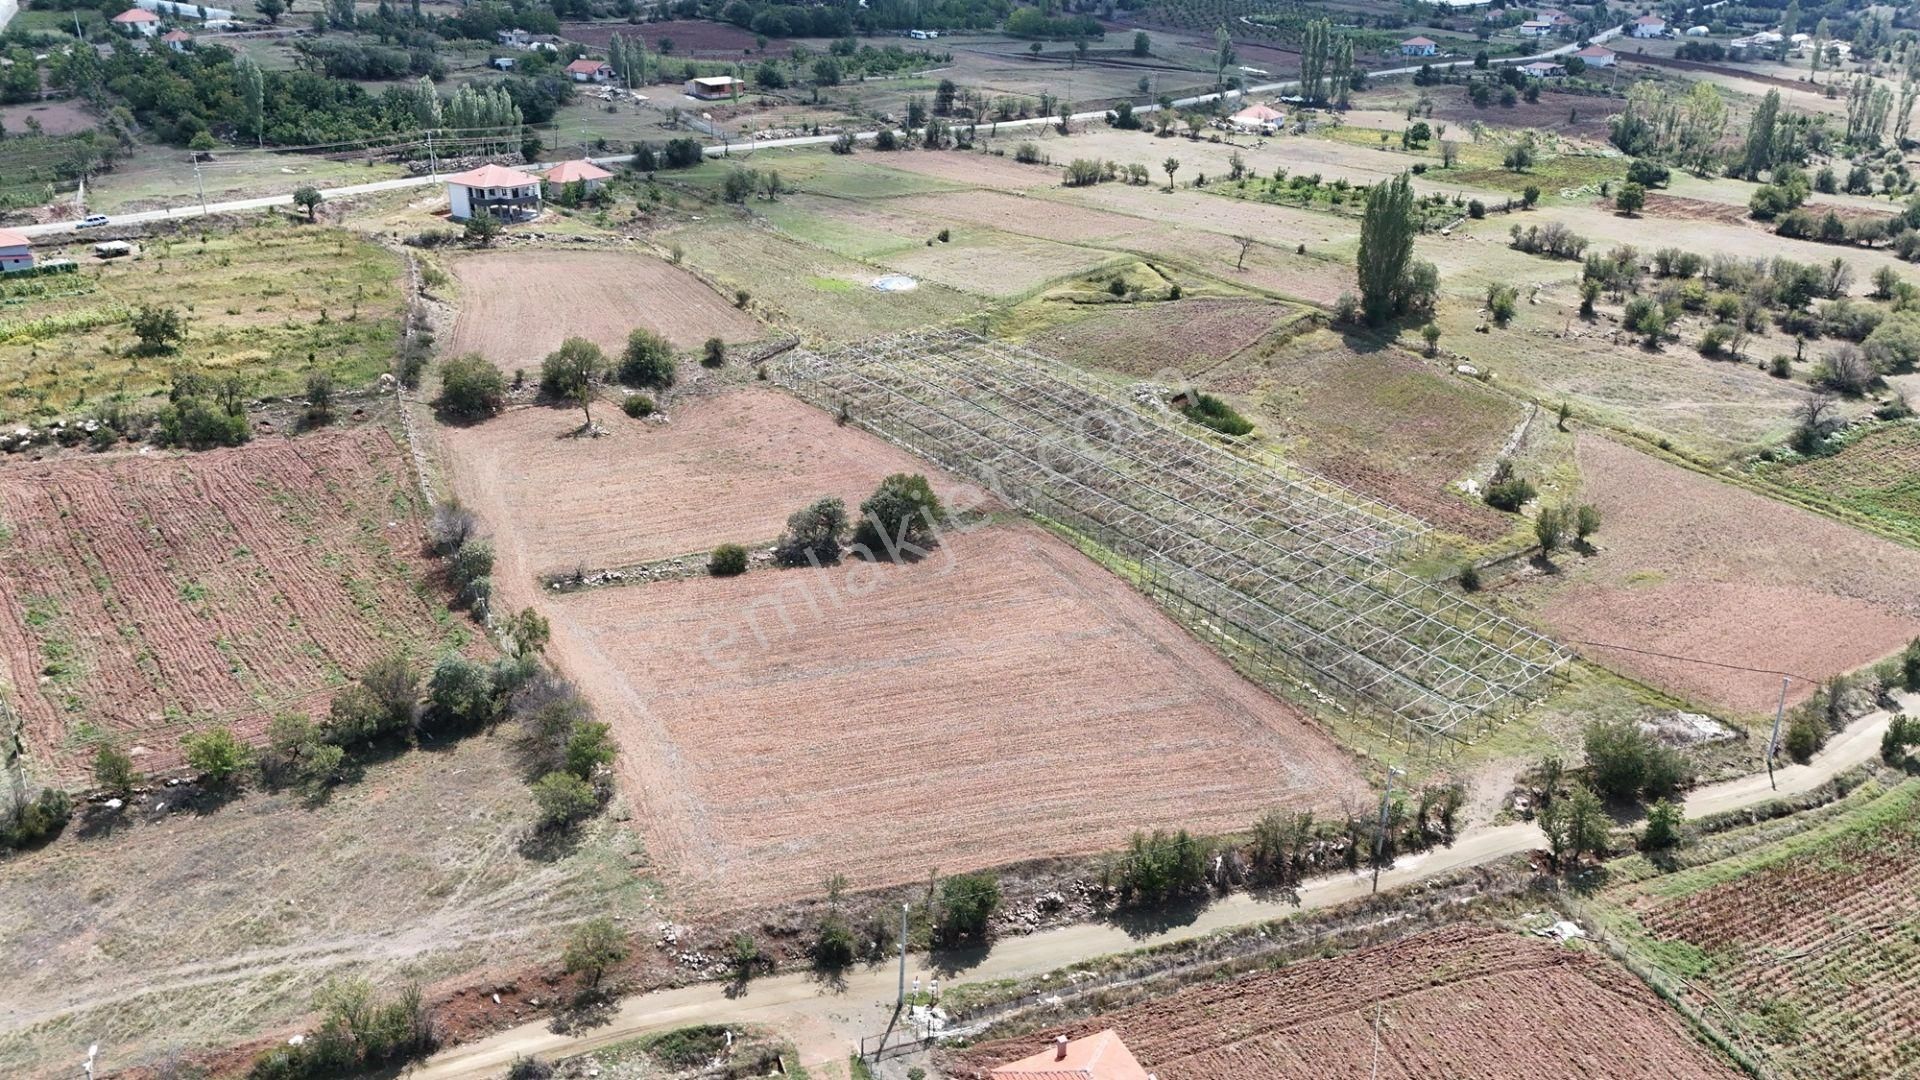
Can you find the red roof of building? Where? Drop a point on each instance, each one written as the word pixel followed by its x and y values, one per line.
pixel 586 67
pixel 1650 20
pixel 1419 41
pixel 176 35
pixel 493 176
pixel 1259 113
pixel 136 15
pixel 1094 1057
pixel 568 171
pixel 9 238
pixel 1595 50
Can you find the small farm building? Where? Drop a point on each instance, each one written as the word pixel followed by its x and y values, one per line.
pixel 1258 118
pixel 713 86
pixel 590 71
pixel 177 40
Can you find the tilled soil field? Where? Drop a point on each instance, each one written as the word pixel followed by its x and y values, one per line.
pixel 517 306
pixel 141 594
pixel 883 722
pixel 1464 1001
pixel 724 468
pixel 1188 336
pixel 1695 568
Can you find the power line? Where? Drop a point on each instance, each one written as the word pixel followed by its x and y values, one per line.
pixel 1697 660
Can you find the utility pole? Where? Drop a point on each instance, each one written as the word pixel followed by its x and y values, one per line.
pixel 433 165
pixel 903 959
pixel 1773 744
pixel 1380 834
pixel 198 185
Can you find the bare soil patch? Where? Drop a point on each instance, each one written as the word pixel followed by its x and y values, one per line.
pixel 725 468
pixel 690 37
pixel 1382 421
pixel 1696 568
pixel 1460 1001
pixel 886 721
pixel 55 117
pixel 517 306
pixel 1048 219
pixel 143 594
pixel 179 930
pixel 1147 338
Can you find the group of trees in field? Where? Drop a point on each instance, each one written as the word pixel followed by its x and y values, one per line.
pixel 1625 763
pixel 474 388
pixel 1392 282
pixel 899 522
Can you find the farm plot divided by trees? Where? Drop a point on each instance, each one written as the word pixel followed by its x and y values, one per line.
pixel 1291 573
pixel 1803 953
pixel 1456 1002
pixel 142 594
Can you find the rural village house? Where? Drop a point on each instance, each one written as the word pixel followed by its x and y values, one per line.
pixel 1542 69
pixel 16 251
pixel 598 71
pixel 1093 1057
pixel 589 176
pixel 1649 26
pixel 1258 118
pixel 177 40
pixel 1597 56
pixel 1419 46
pixel 138 21
pixel 507 194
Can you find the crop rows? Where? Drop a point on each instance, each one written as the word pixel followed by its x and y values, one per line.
pixel 1289 572
pixel 139 595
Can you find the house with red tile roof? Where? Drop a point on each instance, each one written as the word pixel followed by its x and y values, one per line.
pixel 1101 1056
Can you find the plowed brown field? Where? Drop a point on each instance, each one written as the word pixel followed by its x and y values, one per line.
pixel 1004 699
pixel 517 306
pixel 1463 1001
pixel 140 594
pixel 728 468
pixel 1696 568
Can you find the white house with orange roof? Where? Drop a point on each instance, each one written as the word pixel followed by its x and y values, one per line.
pixel 1419 46
pixel 138 21
pixel 16 251
pixel 589 176
pixel 177 40
pixel 507 194
pixel 1598 56
pixel 1100 1056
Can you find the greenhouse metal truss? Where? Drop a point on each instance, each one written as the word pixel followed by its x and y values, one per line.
pixel 1289 572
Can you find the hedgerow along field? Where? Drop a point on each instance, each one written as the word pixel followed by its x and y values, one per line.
pixel 1460 1001
pixel 142 595
pixel 269 303
pixel 1803 952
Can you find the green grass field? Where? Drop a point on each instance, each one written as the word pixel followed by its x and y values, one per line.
pixel 264 302
pixel 1876 475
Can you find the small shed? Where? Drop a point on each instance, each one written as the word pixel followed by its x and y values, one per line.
pixel 16 251
pixel 177 40
pixel 713 87
pixel 112 249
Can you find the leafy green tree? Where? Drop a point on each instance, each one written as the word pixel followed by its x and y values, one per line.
pixel 592 948
pixel 570 372
pixel 901 518
pixel 160 329
pixel 1158 866
pixel 1630 198
pixel 714 353
pixel 460 694
pixel 647 360
pixel 563 800
pixel 1142 45
pixel 1170 166
pixel 1574 824
pixel 308 198
pixel 217 754
pixel 1586 521
pixel 482 230
pixel 967 905
pixel 529 631
pixel 113 769
pixel 1663 826
pixel 1550 528
pixel 590 747
pixel 1386 248
pixel 471 388
pixel 813 534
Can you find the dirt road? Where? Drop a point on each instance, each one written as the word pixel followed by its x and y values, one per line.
pixel 823 1021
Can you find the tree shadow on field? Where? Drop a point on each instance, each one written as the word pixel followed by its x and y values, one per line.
pixel 584 1010
pixel 549 845
pixel 831 979
pixel 948 962
pixel 1364 340
pixel 1144 922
